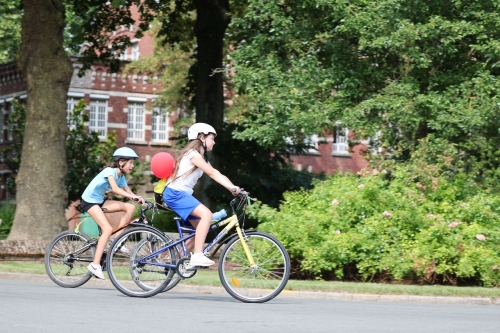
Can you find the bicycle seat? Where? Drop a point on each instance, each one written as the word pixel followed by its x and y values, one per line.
pixel 184 222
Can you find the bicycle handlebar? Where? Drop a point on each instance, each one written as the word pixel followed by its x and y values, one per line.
pixel 149 204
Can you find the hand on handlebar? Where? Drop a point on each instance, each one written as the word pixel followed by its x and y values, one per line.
pixel 236 190
pixel 139 199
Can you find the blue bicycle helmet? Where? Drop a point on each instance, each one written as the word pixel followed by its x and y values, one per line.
pixel 124 153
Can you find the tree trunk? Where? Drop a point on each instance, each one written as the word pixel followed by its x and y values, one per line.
pixel 41 194
pixel 211 23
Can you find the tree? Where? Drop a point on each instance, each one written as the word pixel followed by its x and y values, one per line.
pixel 85 154
pixel 47 70
pixel 401 69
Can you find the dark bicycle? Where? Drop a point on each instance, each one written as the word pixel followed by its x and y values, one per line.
pixel 69 253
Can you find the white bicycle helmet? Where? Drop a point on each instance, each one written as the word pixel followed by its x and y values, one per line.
pixel 124 153
pixel 198 128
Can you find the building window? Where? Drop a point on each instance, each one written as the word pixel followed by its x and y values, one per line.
pixel 7 129
pixel 341 144
pixel 135 51
pixel 98 121
pixel 10 126
pixel 159 126
pixel 311 142
pixel 3 121
pixel 70 106
pixel 123 54
pixel 135 125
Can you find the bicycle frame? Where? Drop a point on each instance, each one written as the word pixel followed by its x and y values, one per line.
pixel 139 221
pixel 230 223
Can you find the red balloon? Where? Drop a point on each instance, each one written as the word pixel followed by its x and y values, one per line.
pixel 162 165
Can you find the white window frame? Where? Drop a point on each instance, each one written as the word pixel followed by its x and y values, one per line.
pixel 135 51
pixel 2 123
pixel 312 141
pixel 136 121
pixel 70 106
pixel 159 126
pixel 98 117
pixel 341 141
pixel 123 54
pixel 9 110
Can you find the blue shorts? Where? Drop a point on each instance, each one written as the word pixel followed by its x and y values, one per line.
pixel 181 203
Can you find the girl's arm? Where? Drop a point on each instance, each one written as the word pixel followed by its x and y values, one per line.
pixel 214 174
pixel 126 192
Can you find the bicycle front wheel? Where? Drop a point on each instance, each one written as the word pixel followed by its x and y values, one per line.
pixel 67 257
pixel 135 274
pixel 258 282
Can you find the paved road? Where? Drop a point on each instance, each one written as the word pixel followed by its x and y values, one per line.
pixel 30 306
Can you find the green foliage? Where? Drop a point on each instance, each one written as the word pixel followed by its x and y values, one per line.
pixel 11 155
pixel 404 69
pixel 7 212
pixel 395 224
pixel 170 63
pixel 85 154
pixel 10 29
pixel 262 172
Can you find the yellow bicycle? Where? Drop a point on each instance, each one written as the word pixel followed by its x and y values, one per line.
pixel 253 266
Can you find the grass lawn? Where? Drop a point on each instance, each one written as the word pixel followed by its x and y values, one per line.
pixel 211 277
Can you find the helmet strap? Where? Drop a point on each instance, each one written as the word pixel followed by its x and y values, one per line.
pixel 205 156
pixel 120 167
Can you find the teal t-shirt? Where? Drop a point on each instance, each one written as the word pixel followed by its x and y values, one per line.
pixel 94 193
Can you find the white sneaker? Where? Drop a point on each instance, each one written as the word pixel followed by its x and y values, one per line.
pixel 122 250
pixel 96 270
pixel 199 259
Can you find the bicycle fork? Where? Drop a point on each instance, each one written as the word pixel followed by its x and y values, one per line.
pixel 245 246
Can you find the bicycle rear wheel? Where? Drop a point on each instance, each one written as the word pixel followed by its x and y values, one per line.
pixel 256 283
pixel 131 274
pixel 67 257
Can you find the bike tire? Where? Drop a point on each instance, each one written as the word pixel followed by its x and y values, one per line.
pixel 265 279
pixel 176 279
pixel 63 259
pixel 128 274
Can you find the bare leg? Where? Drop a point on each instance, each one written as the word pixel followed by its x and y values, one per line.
pixel 113 206
pixel 106 229
pixel 201 226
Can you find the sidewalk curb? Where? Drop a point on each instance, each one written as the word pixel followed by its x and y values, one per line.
pixel 294 294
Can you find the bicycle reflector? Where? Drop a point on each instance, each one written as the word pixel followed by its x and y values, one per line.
pixel 235 282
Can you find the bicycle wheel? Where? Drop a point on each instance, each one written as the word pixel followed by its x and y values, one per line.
pixel 134 273
pixel 131 274
pixel 175 277
pixel 67 257
pixel 256 283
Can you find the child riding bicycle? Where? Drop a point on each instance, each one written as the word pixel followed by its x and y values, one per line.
pixel 112 177
pixel 177 195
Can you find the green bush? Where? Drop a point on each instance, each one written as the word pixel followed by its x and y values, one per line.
pixel 391 227
pixel 7 211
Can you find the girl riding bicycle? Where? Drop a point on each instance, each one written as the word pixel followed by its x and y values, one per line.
pixel 177 195
pixel 112 177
